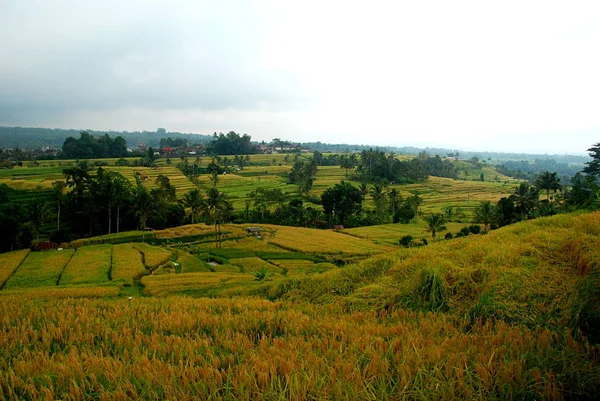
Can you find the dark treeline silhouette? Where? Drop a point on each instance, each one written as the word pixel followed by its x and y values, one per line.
pixel 93 147
pixel 35 138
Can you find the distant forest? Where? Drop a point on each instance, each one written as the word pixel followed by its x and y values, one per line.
pixel 35 138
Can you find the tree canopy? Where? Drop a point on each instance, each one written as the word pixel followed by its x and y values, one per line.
pixel 90 147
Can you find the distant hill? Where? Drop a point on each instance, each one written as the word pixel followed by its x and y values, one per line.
pixel 35 138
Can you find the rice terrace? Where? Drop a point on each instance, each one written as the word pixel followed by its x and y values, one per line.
pixel 363 275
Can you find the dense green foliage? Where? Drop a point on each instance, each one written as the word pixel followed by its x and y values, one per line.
pixel 90 147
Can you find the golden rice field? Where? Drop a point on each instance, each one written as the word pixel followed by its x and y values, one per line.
pixel 390 233
pixel 190 263
pixel 126 263
pixel 439 192
pixel 251 349
pixel 152 256
pixel 184 231
pixel 9 262
pixel 40 269
pixel 89 265
pixel 511 315
pixel 196 284
pixel 253 264
pixel 323 242
pixel 63 292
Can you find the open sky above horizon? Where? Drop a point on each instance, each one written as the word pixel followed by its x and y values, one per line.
pixel 518 76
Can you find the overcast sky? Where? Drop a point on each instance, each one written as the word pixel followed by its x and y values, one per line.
pixel 474 75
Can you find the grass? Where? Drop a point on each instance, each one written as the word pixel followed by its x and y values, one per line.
pixel 40 269
pixel 89 265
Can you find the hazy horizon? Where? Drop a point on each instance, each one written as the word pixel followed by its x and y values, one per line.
pixel 510 77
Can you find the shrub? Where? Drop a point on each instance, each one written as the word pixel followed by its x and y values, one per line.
pixel 465 231
pixel 406 241
pixel 448 235
pixel 475 229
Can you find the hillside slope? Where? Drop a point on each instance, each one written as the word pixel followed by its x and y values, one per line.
pixel 541 272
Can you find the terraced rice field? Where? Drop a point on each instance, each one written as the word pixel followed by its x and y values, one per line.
pixel 126 263
pixel 89 265
pixel 440 192
pixel 177 179
pixel 9 262
pixel 390 233
pixel 40 269
pixel 308 240
pixel 153 256
pixel 197 284
pixel 254 264
pixel 191 264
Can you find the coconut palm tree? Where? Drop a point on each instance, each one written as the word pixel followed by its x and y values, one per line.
pixel 217 207
pixel 195 201
pixel 484 214
pixel 58 196
pixel 37 210
pixel 395 200
pixel 549 182
pixel 142 205
pixel 416 201
pixel 435 223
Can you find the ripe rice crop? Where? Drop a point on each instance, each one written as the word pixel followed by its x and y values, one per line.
pixel 89 265
pixel 126 264
pixel 254 264
pixel 78 291
pixel 9 262
pixel 191 264
pixel 198 284
pixel 40 269
pixel 184 231
pixel 250 349
pixel 327 242
pixel 152 256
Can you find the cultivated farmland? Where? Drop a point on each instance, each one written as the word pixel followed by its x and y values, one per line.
pixel 40 269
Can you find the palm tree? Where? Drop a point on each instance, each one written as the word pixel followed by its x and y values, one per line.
pixel 142 205
pixel 195 201
pixel 416 201
pixel 526 197
pixel 58 196
pixel 484 214
pixel 37 210
pixel 549 182
pixel 217 207
pixel 363 189
pixel 435 223
pixel 395 200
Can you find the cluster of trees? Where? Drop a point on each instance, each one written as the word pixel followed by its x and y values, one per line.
pixel 231 144
pixel 303 174
pixel 99 202
pixel 92 147
pixel 529 171
pixel 172 143
pixel 376 165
